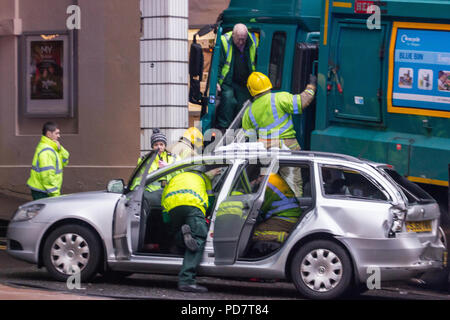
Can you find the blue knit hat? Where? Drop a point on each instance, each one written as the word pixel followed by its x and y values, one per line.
pixel 158 136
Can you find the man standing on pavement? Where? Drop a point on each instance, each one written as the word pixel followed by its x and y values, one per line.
pixel 187 198
pixel 269 117
pixel 50 157
pixel 237 61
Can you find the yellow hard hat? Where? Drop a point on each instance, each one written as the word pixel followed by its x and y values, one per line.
pixel 194 136
pixel 258 83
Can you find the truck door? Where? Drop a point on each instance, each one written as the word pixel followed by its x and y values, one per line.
pixel 236 215
pixel 128 212
pixel 355 72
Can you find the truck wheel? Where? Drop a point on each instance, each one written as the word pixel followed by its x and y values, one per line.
pixel 71 249
pixel 321 269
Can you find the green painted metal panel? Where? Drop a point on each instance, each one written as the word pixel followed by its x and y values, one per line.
pixel 358 69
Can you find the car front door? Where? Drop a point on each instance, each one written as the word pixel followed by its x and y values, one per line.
pixel 127 215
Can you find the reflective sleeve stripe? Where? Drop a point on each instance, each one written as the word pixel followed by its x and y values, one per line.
pixel 252 117
pixel 289 219
pixel 57 169
pixel 295 103
pixel 278 192
pixel 255 41
pixel 44 191
pixel 284 201
pixel 250 132
pixel 38 169
pixel 310 91
pixel 275 134
pixel 274 106
pixel 281 209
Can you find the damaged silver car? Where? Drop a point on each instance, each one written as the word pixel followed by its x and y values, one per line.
pixel 354 216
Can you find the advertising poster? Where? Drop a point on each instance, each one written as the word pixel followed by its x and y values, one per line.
pixel 47 70
pixel 422 69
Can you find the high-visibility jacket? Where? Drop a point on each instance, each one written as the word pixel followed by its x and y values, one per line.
pixel 279 200
pixel 47 167
pixel 187 189
pixel 270 116
pixel 156 185
pixel 227 45
pixel 183 149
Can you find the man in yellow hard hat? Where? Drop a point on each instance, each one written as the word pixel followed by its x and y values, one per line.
pixel 279 212
pixel 237 61
pixel 189 145
pixel 269 117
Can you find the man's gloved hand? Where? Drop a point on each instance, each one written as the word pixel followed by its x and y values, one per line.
pixel 313 80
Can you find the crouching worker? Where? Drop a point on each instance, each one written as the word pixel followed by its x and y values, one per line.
pixel 187 198
pixel 279 212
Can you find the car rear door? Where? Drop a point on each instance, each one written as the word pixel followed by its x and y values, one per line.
pixel 127 215
pixel 236 215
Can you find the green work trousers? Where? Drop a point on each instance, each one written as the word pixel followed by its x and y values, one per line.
pixel 38 195
pixel 195 218
pixel 231 101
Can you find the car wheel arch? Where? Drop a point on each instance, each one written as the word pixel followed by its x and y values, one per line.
pixel 320 236
pixel 69 221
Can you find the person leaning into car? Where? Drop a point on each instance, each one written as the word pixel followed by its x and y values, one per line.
pixel 49 159
pixel 187 198
pixel 279 213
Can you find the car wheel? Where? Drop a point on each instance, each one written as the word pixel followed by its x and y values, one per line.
pixel 321 269
pixel 71 249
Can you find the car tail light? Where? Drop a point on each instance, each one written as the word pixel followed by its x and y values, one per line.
pixel 398 221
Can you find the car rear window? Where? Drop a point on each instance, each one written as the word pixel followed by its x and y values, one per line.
pixel 412 191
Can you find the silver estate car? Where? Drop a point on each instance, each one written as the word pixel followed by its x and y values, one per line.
pixel 359 220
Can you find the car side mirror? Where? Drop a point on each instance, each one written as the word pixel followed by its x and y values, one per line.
pixel 116 186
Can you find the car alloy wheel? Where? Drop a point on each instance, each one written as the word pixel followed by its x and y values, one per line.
pixel 71 249
pixel 321 269
pixel 70 253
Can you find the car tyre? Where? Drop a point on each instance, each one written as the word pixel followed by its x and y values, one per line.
pixel 70 249
pixel 321 269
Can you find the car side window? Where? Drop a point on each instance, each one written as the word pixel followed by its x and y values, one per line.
pixel 248 181
pixel 338 181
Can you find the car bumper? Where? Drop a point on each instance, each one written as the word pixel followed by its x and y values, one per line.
pixel 23 240
pixel 398 258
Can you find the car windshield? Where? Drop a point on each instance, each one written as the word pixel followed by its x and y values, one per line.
pixel 413 192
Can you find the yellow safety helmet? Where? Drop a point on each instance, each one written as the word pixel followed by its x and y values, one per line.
pixel 194 136
pixel 258 83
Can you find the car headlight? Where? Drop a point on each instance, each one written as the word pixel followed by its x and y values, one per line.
pixel 28 212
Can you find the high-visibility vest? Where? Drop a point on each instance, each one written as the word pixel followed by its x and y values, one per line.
pixel 187 189
pixel 47 167
pixel 227 45
pixel 270 116
pixel 279 200
pixel 156 185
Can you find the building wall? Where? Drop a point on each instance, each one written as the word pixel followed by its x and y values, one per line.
pixel 103 137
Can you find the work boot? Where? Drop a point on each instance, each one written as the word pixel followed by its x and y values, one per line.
pixel 190 242
pixel 192 288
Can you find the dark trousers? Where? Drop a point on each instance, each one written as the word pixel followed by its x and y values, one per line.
pixel 231 101
pixel 195 218
pixel 38 195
